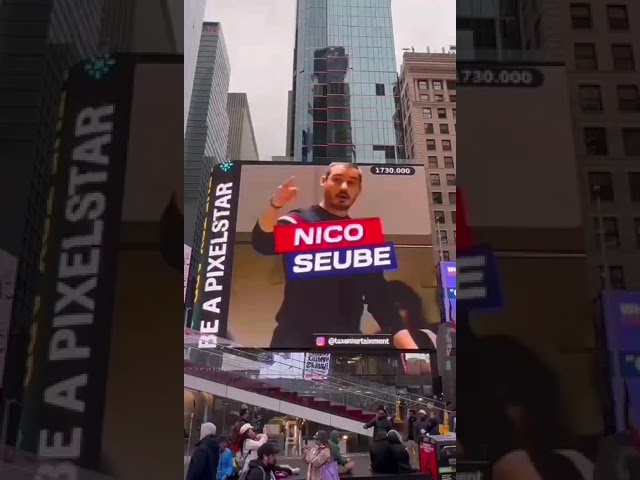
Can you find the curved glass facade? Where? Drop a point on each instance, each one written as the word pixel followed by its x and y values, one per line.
pixel 345 83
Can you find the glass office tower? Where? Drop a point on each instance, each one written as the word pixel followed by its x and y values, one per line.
pixel 344 84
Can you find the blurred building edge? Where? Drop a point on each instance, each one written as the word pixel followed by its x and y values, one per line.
pixel 242 139
pixel 206 138
pixel 40 42
pixel 428 101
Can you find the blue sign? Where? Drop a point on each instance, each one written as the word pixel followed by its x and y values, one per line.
pixel 621 311
pixel 448 285
pixel 630 365
pixel 478 279
pixel 345 261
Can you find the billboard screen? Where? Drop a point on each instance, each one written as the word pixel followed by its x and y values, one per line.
pixel 269 290
pixel 622 326
pixel 447 271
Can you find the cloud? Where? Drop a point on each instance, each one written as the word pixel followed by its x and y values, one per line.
pixel 260 37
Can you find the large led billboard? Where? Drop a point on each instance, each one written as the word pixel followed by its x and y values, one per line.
pixel 447 276
pixel 348 262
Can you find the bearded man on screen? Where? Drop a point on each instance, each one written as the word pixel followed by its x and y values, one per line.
pixel 326 304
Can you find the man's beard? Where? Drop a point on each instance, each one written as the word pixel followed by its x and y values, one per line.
pixel 335 203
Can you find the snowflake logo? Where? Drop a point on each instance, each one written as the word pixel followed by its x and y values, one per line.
pixel 226 166
pixel 99 67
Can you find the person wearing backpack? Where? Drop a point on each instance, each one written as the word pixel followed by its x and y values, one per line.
pixel 319 457
pixel 264 465
pixel 249 449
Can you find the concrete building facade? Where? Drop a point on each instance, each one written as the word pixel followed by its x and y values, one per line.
pixel 242 139
pixel 207 132
pixel 428 99
pixel 193 18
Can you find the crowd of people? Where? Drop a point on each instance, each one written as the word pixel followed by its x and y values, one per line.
pixel 248 455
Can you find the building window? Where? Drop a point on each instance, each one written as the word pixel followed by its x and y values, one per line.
pixel 618 17
pixel 442 113
pixel 623 58
pixel 437 85
pixel 634 186
pixel 581 16
pixel 636 231
pixel 444 128
pixel 436 198
pixel 445 255
pixel 431 144
pixel 451 85
pixel 423 85
pixel 452 198
pixel 590 98
pixel 453 112
pixel 628 98
pixel 452 98
pixel 595 141
pixel 380 89
pixel 451 179
pixel 585 56
pixel 442 237
pixel 446 145
pixel 611 232
pixel 438 216
pixel 616 277
pixel 448 162
pixel 428 128
pixel 438 98
pixel 426 113
pixel 601 186
pixel 631 141
pixel 432 161
pixel 424 97
pixel 453 217
pixel 434 179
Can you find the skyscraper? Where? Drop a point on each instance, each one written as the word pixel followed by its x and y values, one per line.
pixel 207 131
pixel 428 97
pixel 242 139
pixel 344 79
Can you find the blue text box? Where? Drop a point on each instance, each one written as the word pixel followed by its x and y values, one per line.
pixel 340 262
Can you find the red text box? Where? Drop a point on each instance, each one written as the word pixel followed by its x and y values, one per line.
pixel 332 235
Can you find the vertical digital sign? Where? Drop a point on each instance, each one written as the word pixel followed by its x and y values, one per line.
pixel 447 272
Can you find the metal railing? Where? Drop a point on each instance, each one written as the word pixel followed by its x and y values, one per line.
pixel 274 370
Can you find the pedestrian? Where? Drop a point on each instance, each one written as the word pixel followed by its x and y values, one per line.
pixel 204 461
pixel 380 422
pixel 236 442
pixel 226 468
pixel 345 465
pixel 251 442
pixel 412 444
pixel 262 467
pixel 318 457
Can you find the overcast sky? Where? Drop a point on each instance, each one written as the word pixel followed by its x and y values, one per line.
pixel 260 36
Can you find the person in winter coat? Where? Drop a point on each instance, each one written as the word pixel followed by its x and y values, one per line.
pixel 380 422
pixel 225 465
pixel 263 467
pixel 401 456
pixel 205 459
pixel 412 444
pixel 421 426
pixel 434 424
pixel 318 456
pixel 381 455
pixel 250 445
pixel 345 465
pixel 236 440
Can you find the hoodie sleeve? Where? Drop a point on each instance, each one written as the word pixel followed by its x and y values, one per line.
pixel 226 464
pixel 256 444
pixel 197 465
pixel 370 423
pixel 264 242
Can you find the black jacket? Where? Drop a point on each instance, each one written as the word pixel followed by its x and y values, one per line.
pixel 379 425
pixel 204 461
pixel 418 425
pixel 382 457
pixel 257 471
pixel 401 458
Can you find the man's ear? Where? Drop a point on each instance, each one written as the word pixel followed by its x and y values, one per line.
pixel 323 179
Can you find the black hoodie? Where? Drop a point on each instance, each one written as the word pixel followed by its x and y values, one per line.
pixel 204 461
pixel 382 458
pixel 258 471
pixel 400 454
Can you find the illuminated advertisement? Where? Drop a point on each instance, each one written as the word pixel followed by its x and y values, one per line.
pixel 622 326
pixel 302 256
pixel 316 366
pixel 187 262
pixel 447 271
